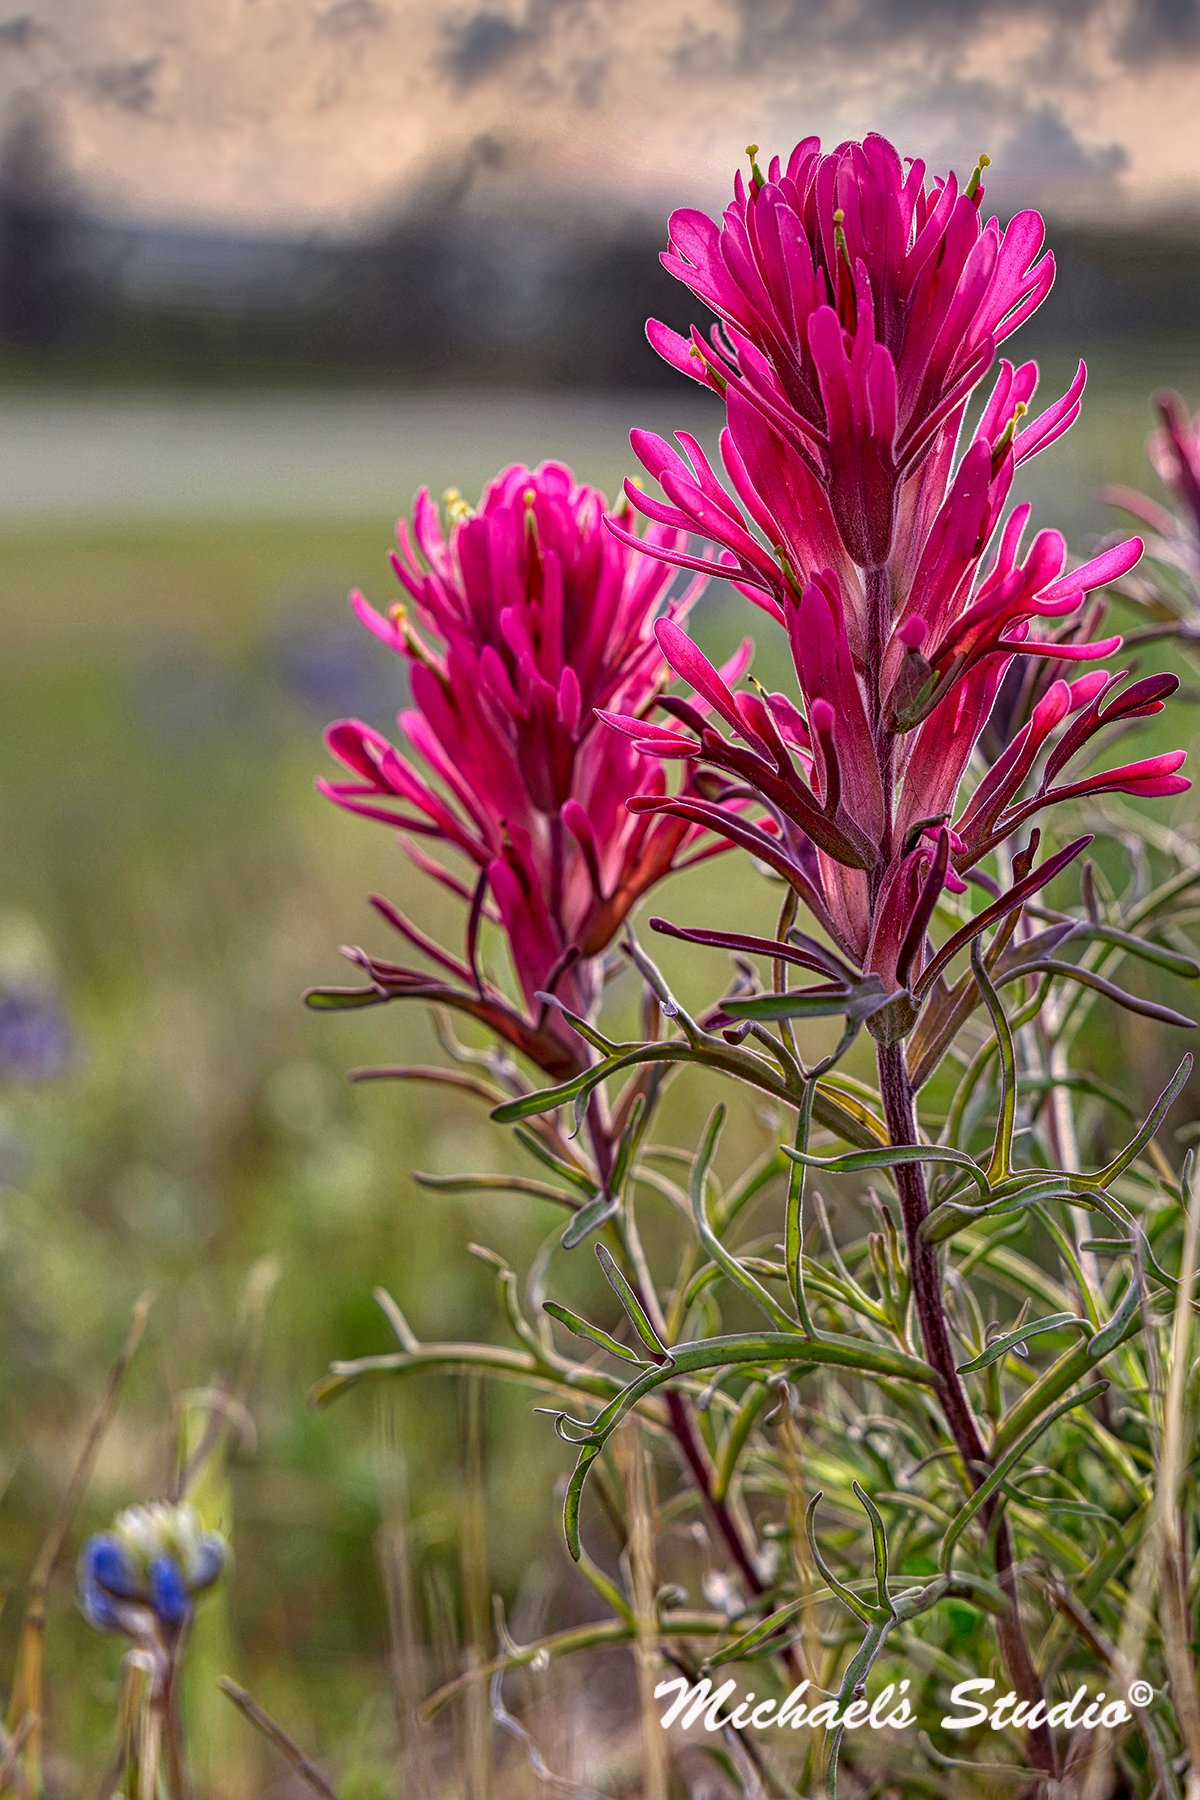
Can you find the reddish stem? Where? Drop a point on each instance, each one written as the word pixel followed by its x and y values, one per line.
pixel 924 1270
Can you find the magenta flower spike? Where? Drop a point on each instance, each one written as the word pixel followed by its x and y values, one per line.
pixel 1175 451
pixel 1172 532
pixel 523 621
pixel 859 305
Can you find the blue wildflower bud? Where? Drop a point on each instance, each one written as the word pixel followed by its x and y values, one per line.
pixel 108 1563
pixel 143 1577
pixel 207 1563
pixel 168 1591
pixel 107 1585
pixel 99 1608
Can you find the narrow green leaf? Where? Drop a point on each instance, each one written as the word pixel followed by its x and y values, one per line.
pixel 542 1153
pixel 492 1184
pixel 544 1100
pixel 1000 1165
pixel 892 1156
pixel 1158 1113
pixel 766 1349
pixel 1079 972
pixel 510 1298
pixel 879 1546
pixel 583 1329
pixel 589 1218
pixel 638 1317
pixel 702 1162
pixel 652 975
pixel 630 1142
pixel 995 1478
pixel 1144 948
pixel 847 1596
pixel 736 1271
pixel 528 1106
pixel 735 1438
pixel 856 1003
pixel 1000 1347
pixel 744 1647
pixel 585 1029
pixel 1109 1336
pixel 794 1226
pixel 343 999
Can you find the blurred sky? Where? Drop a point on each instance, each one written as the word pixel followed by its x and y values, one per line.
pixel 297 113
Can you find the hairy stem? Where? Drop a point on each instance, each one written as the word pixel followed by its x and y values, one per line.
pixel 925 1272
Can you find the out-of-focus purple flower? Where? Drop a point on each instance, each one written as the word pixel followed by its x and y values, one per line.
pixel 144 1576
pixel 35 1034
pixel 858 308
pixel 524 620
pixel 325 665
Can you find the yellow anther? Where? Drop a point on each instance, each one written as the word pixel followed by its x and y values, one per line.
pixel 985 162
pixel 715 377
pixel 1010 431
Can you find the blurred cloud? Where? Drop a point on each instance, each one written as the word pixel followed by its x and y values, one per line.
pixel 20 32
pixel 1159 28
pixel 1036 154
pixel 352 18
pixel 127 85
pixel 305 111
pixel 481 45
pixel 793 26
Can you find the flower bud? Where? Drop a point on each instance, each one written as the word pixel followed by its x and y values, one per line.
pixel 143 1576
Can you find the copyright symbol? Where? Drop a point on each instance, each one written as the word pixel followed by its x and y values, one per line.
pixel 1140 1693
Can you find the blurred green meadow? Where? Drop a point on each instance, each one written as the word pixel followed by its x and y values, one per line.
pixel 172 878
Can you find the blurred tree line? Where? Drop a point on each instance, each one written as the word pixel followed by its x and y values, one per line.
pixel 450 286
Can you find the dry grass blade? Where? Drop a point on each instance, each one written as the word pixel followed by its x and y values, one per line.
pixel 275 1734
pixel 1160 1564
pixel 26 1702
pixel 1173 1459
pixel 476 1601
pixel 639 1558
pixel 405 1659
pixel 225 1404
pixel 12 1776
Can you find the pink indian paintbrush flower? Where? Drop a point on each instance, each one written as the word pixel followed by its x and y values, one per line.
pixel 1175 453
pixel 522 620
pixel 1173 536
pixel 859 306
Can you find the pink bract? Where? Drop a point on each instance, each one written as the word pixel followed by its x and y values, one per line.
pixel 859 305
pixel 523 619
